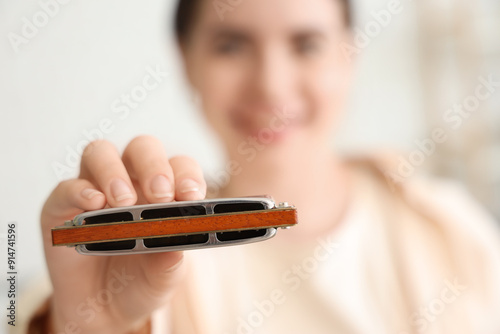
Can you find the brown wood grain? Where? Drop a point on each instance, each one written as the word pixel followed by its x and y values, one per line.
pixel 84 234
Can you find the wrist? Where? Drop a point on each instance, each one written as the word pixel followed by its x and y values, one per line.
pixel 55 323
pixel 39 322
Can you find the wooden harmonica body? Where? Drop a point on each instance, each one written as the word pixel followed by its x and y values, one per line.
pixel 175 226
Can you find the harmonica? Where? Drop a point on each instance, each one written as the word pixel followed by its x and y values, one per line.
pixel 175 226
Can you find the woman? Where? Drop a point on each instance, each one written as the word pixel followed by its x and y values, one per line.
pixel 367 256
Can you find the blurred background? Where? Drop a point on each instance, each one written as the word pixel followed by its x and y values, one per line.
pixel 62 79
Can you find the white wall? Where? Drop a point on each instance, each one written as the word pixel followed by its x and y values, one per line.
pixel 64 80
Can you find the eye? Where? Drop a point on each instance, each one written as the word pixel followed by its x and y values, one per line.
pixel 307 44
pixel 229 46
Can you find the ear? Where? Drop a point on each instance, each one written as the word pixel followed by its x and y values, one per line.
pixel 348 48
pixel 187 63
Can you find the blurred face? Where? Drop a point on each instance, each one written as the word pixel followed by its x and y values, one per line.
pixel 270 73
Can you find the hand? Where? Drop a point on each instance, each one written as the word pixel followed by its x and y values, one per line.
pixel 115 294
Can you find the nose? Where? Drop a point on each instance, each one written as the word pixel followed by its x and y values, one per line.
pixel 273 78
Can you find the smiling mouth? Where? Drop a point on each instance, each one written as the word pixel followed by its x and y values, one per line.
pixel 271 133
pixel 278 131
pixel 276 124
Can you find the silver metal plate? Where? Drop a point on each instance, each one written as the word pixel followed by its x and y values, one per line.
pixel 212 242
pixel 209 205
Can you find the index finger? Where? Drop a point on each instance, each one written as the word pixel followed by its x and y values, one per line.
pixel 102 165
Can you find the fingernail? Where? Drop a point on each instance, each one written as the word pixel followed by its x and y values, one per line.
pixel 188 185
pixel 161 187
pixel 120 190
pixel 90 193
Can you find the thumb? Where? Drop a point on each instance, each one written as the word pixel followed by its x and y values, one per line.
pixel 156 277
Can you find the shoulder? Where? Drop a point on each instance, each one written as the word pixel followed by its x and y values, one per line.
pixel 436 217
pixel 442 200
pixel 438 234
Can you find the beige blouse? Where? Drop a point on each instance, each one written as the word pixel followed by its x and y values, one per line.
pixel 420 257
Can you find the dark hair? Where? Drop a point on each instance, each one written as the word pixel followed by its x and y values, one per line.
pixel 186 12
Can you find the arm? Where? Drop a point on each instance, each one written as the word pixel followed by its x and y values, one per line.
pixel 115 294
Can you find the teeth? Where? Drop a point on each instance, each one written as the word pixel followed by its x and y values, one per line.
pixel 276 120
